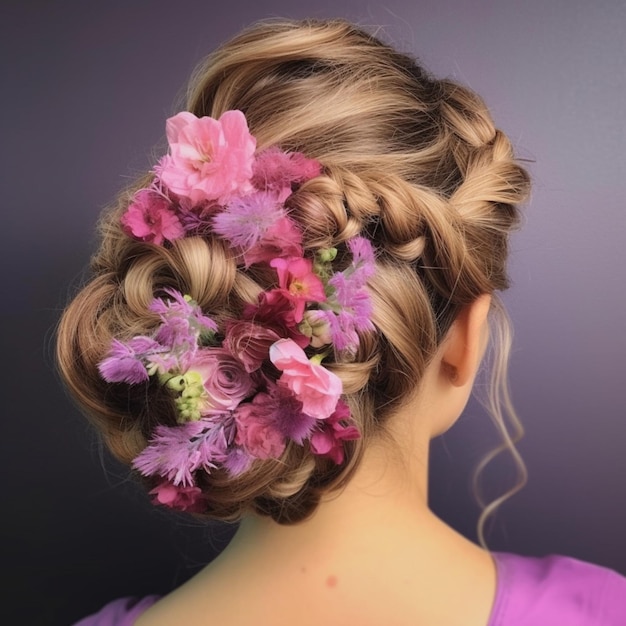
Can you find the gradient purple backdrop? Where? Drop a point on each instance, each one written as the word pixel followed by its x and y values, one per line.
pixel 86 89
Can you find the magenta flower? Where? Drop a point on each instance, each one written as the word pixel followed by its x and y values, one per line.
pixel 249 342
pixel 274 310
pixel 282 239
pixel 287 412
pixel 210 160
pixel 312 384
pixel 125 362
pixel 224 378
pixel 181 498
pixel 328 440
pixel 247 218
pixel 298 283
pixel 151 217
pixel 275 170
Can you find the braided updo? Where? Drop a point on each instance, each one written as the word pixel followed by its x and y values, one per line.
pixel 412 163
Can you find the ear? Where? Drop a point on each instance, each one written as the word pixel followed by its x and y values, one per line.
pixel 465 342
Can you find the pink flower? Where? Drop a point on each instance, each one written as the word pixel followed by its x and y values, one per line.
pixel 316 387
pixel 299 283
pixel 150 217
pixel 209 160
pixel 328 441
pixel 249 342
pixel 276 170
pixel 282 239
pixel 257 431
pixel 224 378
pixel 179 497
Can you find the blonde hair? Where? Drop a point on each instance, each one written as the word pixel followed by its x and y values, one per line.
pixel 413 163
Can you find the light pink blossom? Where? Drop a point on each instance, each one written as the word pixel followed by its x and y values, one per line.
pixel 210 160
pixel 150 217
pixel 316 387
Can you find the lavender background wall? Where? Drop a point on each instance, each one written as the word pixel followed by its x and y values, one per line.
pixel 85 91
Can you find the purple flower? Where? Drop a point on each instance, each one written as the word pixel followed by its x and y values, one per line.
pixel 182 306
pixel 288 414
pixel 183 322
pixel 237 461
pixel 349 304
pixel 176 452
pixel 246 219
pixel 125 362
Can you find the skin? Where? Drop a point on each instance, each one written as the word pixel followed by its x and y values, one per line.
pixel 371 554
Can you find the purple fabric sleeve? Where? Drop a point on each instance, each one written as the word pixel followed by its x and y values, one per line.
pixel 120 612
pixel 556 590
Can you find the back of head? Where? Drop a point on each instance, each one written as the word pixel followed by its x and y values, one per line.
pixel 411 163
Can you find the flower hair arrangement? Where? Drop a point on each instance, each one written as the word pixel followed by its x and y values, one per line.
pixel 243 391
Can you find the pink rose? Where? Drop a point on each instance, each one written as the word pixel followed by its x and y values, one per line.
pixel 179 497
pixel 224 379
pixel 316 387
pixel 249 342
pixel 210 160
pixel 257 431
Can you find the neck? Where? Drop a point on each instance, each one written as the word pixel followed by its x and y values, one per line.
pixel 388 491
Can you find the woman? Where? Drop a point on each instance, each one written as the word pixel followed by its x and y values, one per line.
pixel 286 311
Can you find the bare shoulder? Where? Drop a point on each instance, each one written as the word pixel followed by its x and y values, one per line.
pixel 396 591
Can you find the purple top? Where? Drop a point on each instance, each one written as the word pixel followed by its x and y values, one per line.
pixel 530 592
pixel 556 590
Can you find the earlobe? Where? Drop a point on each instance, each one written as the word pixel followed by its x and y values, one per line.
pixel 465 343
